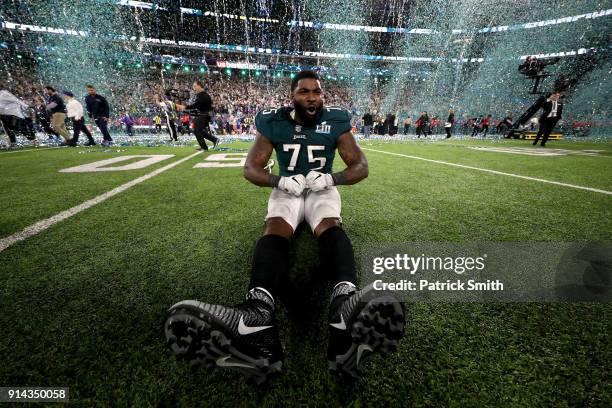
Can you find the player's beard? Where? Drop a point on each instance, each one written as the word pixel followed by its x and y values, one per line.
pixel 308 117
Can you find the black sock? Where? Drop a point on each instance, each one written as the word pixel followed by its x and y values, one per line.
pixel 270 262
pixel 336 256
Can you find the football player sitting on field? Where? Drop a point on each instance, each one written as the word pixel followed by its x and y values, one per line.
pixel 361 322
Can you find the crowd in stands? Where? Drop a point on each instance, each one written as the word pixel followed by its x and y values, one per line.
pixel 237 99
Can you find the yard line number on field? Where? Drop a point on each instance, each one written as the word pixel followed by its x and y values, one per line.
pixel 214 160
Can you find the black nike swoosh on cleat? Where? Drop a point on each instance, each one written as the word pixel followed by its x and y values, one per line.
pixel 222 362
pixel 317 177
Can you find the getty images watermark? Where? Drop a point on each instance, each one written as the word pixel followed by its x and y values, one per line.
pixel 535 271
pixel 414 264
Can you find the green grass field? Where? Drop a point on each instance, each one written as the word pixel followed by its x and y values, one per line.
pixel 83 301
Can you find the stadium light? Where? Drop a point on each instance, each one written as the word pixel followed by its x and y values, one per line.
pixel 279 74
pixel 243 72
pixel 228 71
pixel 257 73
pixel 186 68
pixel 119 64
pixel 292 75
pixel 167 67
pixel 19 56
pixel 202 69
pixel 138 65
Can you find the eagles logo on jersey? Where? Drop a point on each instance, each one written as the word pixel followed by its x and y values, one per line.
pixel 300 148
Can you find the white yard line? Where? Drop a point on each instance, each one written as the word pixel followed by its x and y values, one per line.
pixel 499 173
pixel 46 223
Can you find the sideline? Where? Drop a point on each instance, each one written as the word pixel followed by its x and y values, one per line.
pixel 499 173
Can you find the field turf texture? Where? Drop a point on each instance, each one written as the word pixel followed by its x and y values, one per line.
pixel 83 301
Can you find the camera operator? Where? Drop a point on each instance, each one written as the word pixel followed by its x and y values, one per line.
pixel 530 67
pixel 202 107
pixel 533 68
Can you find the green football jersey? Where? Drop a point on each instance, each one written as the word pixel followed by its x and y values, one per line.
pixel 299 148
